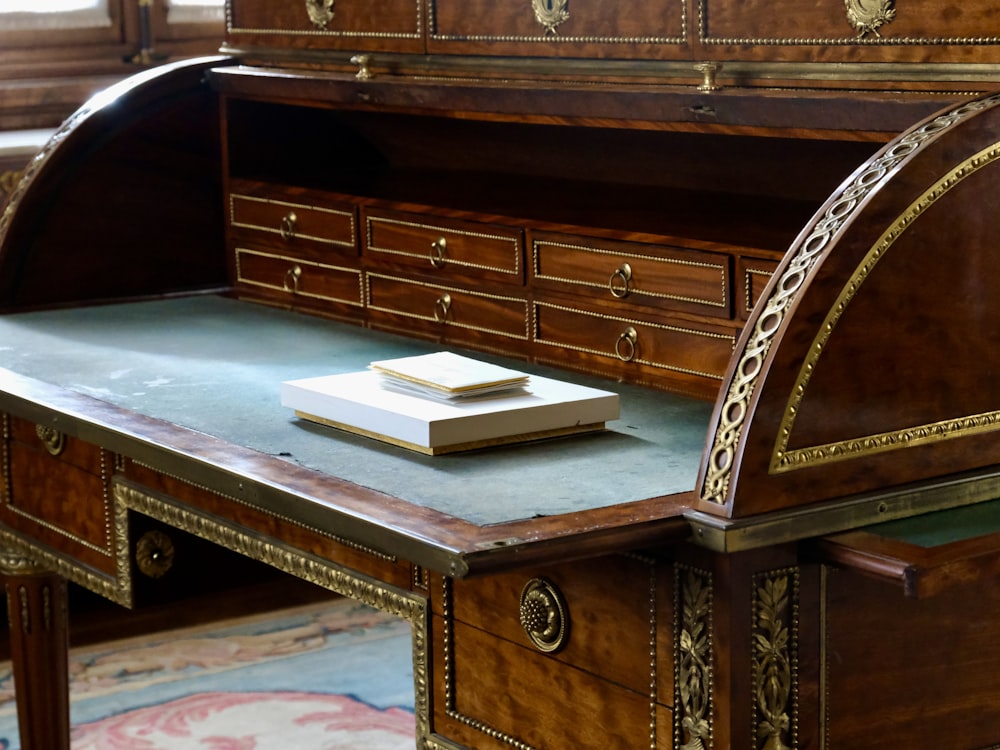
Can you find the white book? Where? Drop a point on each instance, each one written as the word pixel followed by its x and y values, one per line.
pixel 357 402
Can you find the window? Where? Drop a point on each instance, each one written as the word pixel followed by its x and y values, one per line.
pixel 55 53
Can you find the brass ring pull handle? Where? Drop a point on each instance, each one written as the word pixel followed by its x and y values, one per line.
pixel 438 248
pixel 625 345
pixel 287 226
pixel 622 275
pixel 292 276
pixel 442 305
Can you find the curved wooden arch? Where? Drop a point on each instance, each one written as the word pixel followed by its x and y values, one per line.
pixel 873 359
pixel 109 179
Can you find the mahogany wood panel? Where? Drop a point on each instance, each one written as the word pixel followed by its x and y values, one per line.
pixel 871 361
pixel 130 174
pixel 500 687
pixel 914 673
pixel 395 25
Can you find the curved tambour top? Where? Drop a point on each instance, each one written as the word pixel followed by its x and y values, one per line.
pixel 123 199
pixel 873 359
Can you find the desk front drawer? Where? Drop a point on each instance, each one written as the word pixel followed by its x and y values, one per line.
pixel 446 310
pixel 566 649
pixel 306 228
pixel 701 350
pixel 445 248
pixel 388 25
pixel 298 278
pixel 55 490
pixel 633 274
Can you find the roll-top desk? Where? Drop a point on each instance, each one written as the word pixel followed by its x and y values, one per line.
pixel 769 226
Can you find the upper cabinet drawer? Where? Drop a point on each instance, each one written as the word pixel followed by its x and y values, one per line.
pixel 632 273
pixel 445 248
pixel 853 31
pixel 289 222
pixel 558 28
pixel 388 25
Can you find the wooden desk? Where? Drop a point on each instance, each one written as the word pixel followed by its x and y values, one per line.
pixel 805 353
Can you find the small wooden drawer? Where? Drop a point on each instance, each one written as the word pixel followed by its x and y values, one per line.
pixel 299 278
pixel 597 28
pixel 305 227
pixel 56 489
pixel 633 273
pixel 585 629
pixel 755 273
pixel 681 346
pixel 859 32
pixel 452 311
pixel 388 25
pixel 445 248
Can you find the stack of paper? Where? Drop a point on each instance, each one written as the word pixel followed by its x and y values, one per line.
pixel 435 418
pixel 444 375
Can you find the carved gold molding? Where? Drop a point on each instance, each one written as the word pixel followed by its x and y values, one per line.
pixel 793 273
pixel 341 580
pixel 783 459
pixel 693 658
pixel 775 659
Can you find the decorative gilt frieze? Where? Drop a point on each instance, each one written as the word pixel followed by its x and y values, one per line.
pixel 550 13
pixel 793 274
pixel 309 567
pixel 775 659
pixel 867 16
pixel 959 426
pixel 693 659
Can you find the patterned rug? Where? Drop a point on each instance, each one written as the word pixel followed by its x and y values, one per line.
pixel 327 676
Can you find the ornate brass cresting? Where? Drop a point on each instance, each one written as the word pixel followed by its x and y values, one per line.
pixel 550 13
pixel 774 650
pixel 320 12
pixel 867 16
pixel 693 659
pixel 544 615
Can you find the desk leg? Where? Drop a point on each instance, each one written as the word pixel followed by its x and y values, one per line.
pixel 39 646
